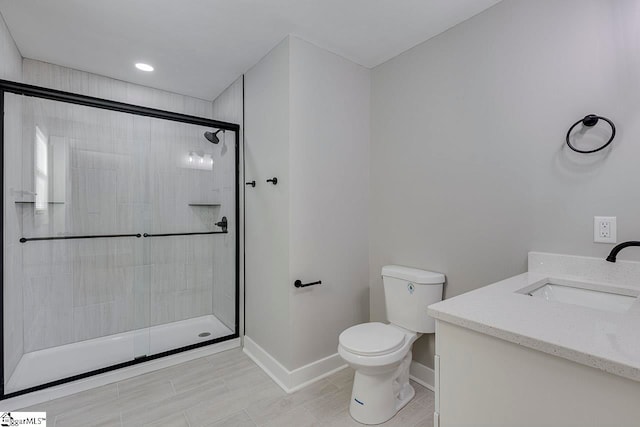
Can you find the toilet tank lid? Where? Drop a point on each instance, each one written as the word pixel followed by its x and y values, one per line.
pixel 415 275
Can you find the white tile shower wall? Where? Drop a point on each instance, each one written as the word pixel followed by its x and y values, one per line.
pixel 227 107
pixel 11 64
pixel 125 174
pixel 11 69
pixel 67 79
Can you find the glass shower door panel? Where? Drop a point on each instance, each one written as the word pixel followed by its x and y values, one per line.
pixel 135 202
pixel 192 279
pixel 73 177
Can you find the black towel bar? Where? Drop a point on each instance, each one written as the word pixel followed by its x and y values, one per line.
pixel 224 224
pixel 299 284
pixel 184 234
pixel 98 236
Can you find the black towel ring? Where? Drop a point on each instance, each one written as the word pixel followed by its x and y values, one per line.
pixel 590 121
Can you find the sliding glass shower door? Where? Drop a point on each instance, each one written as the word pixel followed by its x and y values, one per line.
pixel 119 239
pixel 191 193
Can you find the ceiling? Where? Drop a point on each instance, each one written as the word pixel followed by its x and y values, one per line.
pixel 199 47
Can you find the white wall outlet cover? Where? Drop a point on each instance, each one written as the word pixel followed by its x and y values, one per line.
pixel 604 229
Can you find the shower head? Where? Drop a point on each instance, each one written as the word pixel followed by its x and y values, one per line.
pixel 212 136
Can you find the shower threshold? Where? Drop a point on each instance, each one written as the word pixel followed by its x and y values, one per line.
pixel 51 364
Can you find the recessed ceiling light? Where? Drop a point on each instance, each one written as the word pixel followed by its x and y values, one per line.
pixel 144 67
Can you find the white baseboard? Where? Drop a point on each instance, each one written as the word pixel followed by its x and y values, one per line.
pixel 67 389
pixel 422 374
pixel 291 381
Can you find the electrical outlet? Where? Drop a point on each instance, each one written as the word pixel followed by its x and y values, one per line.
pixel 604 229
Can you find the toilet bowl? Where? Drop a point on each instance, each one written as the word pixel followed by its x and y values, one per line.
pixel 380 353
pixel 381 357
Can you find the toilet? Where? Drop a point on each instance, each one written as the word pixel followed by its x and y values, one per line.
pixel 381 353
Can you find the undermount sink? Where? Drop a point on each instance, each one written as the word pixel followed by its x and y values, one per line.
pixel 600 297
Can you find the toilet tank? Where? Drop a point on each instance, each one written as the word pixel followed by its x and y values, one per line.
pixel 408 292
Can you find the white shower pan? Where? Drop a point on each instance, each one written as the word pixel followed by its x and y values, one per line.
pixel 55 363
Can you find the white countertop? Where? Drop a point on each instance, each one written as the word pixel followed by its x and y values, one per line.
pixel 604 340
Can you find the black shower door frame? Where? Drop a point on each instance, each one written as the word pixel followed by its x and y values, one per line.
pixel 105 104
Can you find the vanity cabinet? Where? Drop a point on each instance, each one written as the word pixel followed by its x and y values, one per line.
pixel 482 380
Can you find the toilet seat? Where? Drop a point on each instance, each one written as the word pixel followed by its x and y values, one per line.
pixel 372 339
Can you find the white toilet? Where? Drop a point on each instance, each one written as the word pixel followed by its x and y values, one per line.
pixel 381 353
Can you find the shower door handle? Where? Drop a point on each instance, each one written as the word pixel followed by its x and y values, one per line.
pixel 251 183
pixel 223 224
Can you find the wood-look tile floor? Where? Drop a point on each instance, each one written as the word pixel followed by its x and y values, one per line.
pixel 226 389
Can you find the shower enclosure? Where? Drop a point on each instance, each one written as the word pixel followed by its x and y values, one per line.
pixel 119 235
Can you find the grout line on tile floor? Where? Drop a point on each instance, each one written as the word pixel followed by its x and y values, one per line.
pixel 249 415
pixel 184 414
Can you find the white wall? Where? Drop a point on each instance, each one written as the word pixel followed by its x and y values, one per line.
pixel 11 69
pixel 329 206
pixel 267 311
pixel 469 170
pixel 307 123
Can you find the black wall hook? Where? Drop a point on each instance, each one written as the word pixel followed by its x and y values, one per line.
pixel 590 121
pixel 251 183
pixel 273 180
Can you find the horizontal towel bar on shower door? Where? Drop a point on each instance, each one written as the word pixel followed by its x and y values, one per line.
pixel 98 236
pixel 223 223
pixel 184 234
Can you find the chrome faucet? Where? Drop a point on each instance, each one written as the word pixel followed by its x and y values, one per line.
pixel 614 252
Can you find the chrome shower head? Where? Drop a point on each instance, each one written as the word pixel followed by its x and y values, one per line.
pixel 212 136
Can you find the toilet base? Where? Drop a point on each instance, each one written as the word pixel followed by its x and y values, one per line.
pixel 377 397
